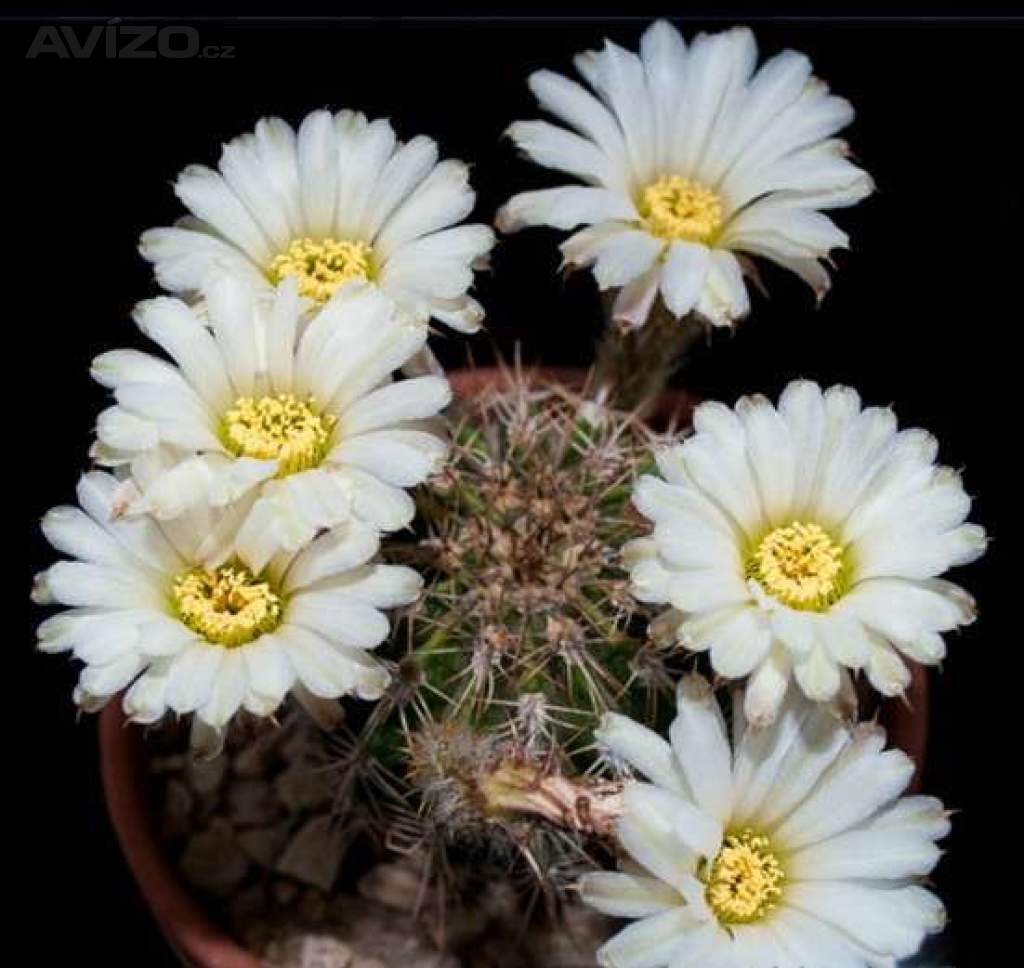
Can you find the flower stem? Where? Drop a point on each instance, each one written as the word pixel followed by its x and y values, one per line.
pixel 634 364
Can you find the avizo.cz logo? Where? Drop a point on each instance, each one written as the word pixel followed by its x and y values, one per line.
pixel 115 40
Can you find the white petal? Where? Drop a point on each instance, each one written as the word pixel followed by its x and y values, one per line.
pixel 183 258
pixel 717 462
pixel 767 687
pixel 184 486
pixel 886 670
pixel 361 160
pixel 254 183
pixel 205 193
pixel 269 673
pixel 561 150
pixel 701 744
pixel 339 618
pixel 914 816
pixel 99 495
pixel 643 749
pixel 663 52
pixel 846 641
pixel 802 407
pixel 724 299
pixel 325 671
pixel 441 199
pixel 814 942
pixel 706 588
pixel 772 455
pixel 818 675
pixel 81 583
pixel 627 896
pixel 413 399
pixel 795 630
pixel 794 768
pixel 339 550
pixel 231 309
pixel 382 505
pixel 406 169
pixel 682 278
pixel 905 610
pixel 619 77
pixel 624 256
pixel 564 208
pixel 858 783
pixel 162 635
pixel 464 315
pixel 890 921
pixel 232 479
pixel 647 834
pixel 572 103
pixel 105 680
pixel 648 943
pixel 281 327
pixel 192 676
pixel 115 367
pixel 383 586
pixel 636 299
pixel 121 430
pixel 663 812
pixel 72 532
pixel 400 457
pixel 708 945
pixel 317 149
pixel 739 645
pixel 859 854
pixel 171 324
pixel 106 639
pixel 144 702
pixel 289 512
pixel 180 418
pixel 227 692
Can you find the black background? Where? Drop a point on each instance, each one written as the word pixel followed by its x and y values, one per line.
pixel 924 314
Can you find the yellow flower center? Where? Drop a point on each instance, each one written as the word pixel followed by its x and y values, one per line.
pixel 800 565
pixel 322 266
pixel 744 882
pixel 228 606
pixel 284 428
pixel 674 208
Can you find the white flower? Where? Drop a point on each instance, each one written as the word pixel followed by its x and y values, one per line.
pixel 793 851
pixel 167 609
pixel 298 422
pixel 805 539
pixel 340 199
pixel 689 156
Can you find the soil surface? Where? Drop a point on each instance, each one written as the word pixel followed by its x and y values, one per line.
pixel 253 833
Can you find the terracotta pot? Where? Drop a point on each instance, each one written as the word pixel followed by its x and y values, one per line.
pixel 185 924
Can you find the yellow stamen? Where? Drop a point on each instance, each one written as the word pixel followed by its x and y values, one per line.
pixel 284 428
pixel 322 266
pixel 800 565
pixel 227 606
pixel 744 882
pixel 674 208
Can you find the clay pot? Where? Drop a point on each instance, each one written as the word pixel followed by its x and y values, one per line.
pixel 183 921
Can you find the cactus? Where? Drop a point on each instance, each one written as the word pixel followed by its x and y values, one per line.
pixel 481 754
